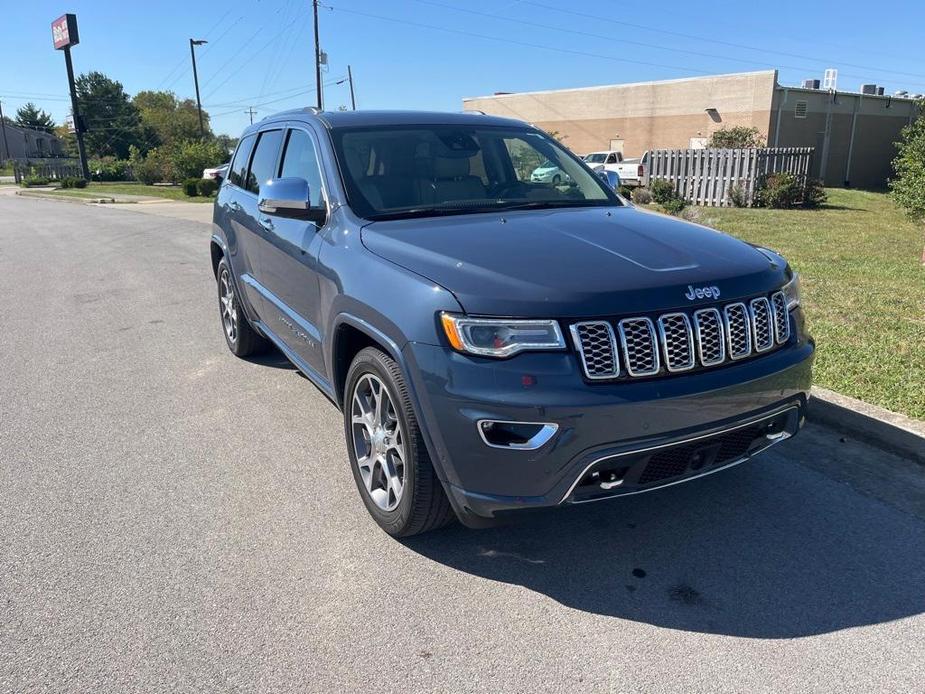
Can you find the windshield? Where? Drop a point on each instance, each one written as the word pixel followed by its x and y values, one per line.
pixel 406 171
pixel 596 157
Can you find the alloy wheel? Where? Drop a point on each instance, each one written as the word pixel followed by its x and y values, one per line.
pixel 228 306
pixel 378 442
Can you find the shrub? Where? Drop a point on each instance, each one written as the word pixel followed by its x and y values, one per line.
pixel 662 190
pixel 73 182
pixel 207 187
pixel 674 205
pixel 642 196
pixel 191 187
pixel 739 137
pixel 154 168
pixel 778 190
pixel 625 191
pixel 32 181
pixel 111 169
pixel 814 194
pixel 188 159
pixel 738 196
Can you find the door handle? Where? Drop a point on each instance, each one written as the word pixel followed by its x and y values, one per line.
pixel 235 206
pixel 266 224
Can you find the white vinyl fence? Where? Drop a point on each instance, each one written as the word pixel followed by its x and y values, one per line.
pixel 707 176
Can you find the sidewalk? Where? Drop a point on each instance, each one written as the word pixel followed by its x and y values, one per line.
pixel 145 204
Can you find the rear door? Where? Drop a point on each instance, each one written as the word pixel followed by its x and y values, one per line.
pixel 254 226
pixel 289 256
pixel 242 250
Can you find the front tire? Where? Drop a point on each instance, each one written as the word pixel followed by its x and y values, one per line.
pixel 388 458
pixel 240 337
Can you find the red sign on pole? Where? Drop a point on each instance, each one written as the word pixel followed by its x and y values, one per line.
pixel 64 31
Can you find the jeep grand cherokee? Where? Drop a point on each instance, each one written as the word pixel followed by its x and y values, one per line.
pixel 497 343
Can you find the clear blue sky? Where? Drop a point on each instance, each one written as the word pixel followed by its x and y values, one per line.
pixel 260 51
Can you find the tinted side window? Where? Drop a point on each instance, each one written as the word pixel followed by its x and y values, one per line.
pixel 301 160
pixel 263 165
pixel 237 174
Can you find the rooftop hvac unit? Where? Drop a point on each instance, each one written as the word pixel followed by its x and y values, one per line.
pixel 830 81
pixel 869 89
pixel 879 91
pixel 810 84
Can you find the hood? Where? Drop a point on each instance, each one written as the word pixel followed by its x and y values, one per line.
pixel 573 263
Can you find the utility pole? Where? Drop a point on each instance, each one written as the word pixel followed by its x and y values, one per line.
pixel 192 51
pixel 6 145
pixel 353 101
pixel 317 57
pixel 251 113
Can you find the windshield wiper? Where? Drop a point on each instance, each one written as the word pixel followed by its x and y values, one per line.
pixel 551 204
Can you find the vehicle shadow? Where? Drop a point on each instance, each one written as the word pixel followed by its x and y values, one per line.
pixel 272 358
pixel 769 549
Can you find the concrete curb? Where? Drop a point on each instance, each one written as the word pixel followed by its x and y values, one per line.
pixel 887 430
pixel 65 198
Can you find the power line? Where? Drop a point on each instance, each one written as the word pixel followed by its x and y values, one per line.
pixel 730 44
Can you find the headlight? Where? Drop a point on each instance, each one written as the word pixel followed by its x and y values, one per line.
pixel 791 292
pixel 500 337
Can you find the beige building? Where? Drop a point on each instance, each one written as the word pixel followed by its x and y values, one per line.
pixel 853 133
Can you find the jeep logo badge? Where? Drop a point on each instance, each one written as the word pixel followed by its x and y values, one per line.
pixel 711 292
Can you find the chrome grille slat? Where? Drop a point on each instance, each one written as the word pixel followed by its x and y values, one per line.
pixel 597 347
pixel 677 338
pixel 781 318
pixel 711 337
pixel 640 346
pixel 762 328
pixel 738 330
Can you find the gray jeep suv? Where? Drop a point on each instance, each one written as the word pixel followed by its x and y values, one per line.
pixel 496 343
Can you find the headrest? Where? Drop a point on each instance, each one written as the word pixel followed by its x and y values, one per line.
pixel 451 167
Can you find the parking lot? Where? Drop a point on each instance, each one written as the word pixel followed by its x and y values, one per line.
pixel 175 519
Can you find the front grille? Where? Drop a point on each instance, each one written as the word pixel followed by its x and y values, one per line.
pixel 678 341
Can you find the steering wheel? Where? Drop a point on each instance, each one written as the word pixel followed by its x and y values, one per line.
pixel 514 189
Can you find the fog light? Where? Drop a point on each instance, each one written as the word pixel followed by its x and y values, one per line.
pixel 521 436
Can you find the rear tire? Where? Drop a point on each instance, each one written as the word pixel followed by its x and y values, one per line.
pixel 240 337
pixel 388 458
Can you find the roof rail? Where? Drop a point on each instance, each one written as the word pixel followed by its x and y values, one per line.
pixel 475 111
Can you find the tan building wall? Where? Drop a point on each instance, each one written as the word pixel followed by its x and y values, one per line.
pixel 674 113
pixel 864 126
pixel 645 116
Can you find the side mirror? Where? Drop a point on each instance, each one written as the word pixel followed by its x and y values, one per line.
pixel 610 178
pixel 289 197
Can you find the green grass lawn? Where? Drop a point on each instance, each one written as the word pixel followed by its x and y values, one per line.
pixel 96 190
pixel 863 290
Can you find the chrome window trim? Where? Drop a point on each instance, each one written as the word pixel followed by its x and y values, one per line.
pixel 690 341
pixel 720 325
pixel 748 330
pixel 653 339
pixel 576 339
pixel 754 321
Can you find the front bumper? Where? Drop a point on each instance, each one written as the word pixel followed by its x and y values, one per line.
pixel 595 421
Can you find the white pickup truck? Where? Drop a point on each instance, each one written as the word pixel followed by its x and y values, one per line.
pixel 631 171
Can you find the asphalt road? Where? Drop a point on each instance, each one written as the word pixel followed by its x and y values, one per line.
pixel 175 519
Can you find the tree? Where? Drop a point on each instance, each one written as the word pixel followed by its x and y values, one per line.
pixel 68 141
pixel 169 119
pixel 738 137
pixel 31 116
pixel 908 188
pixel 112 121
